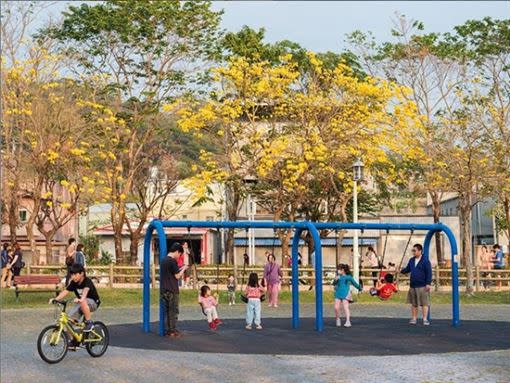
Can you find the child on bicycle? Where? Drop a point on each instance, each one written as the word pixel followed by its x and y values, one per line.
pixel 209 304
pixel 87 299
pixel 384 288
pixel 343 296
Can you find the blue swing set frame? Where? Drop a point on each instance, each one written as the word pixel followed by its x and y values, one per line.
pixel 298 227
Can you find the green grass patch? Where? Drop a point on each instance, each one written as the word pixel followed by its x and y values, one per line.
pixel 133 297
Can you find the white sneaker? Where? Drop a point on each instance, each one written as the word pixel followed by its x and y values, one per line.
pixel 347 324
pixel 275 306
pixel 412 321
pixel 338 322
pixel 426 322
pixel 248 327
pixel 230 303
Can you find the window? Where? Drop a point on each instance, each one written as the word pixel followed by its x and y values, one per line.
pixel 184 217
pixel 209 218
pixel 23 215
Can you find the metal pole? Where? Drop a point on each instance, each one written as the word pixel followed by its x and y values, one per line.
pixel 250 230
pixel 146 312
pixel 319 321
pixel 455 276
pixel 295 279
pixel 162 254
pixel 355 248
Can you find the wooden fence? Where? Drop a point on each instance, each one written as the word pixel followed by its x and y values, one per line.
pixel 117 276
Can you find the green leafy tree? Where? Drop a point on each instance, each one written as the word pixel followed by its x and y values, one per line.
pixel 486 44
pixel 141 53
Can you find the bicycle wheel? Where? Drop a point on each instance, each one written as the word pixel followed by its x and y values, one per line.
pixel 98 340
pixel 51 346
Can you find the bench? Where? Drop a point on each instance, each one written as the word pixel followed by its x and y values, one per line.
pixel 34 280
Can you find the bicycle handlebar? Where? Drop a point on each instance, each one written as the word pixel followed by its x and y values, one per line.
pixel 62 303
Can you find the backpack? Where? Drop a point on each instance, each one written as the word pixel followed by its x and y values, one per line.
pixel 69 260
pixel 19 262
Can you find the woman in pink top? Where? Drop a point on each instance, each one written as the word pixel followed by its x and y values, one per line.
pixel 272 275
pixel 253 292
pixel 209 304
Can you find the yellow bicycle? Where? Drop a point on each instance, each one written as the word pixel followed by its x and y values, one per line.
pixel 53 341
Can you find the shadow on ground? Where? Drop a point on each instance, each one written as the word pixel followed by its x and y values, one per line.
pixel 368 336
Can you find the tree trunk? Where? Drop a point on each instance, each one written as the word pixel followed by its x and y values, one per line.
pixel 133 249
pixel 229 247
pixel 13 217
pixel 117 218
pixel 49 249
pixel 436 212
pixel 311 247
pixel 465 221
pixel 506 207
pixel 31 239
pixel 29 227
pixel 285 240
pixel 232 201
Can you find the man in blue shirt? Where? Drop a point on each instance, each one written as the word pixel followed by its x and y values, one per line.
pixel 421 279
pixel 499 263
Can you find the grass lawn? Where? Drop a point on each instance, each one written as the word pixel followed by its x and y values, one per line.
pixel 133 297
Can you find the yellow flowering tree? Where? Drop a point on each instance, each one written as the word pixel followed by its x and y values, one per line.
pixel 332 118
pixel 49 159
pixel 297 132
pixel 240 114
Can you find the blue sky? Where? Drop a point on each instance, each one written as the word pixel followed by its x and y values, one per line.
pixel 322 25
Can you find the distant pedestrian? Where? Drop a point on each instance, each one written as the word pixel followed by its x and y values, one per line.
pixel 6 261
pixel 70 257
pixel 373 262
pixel 79 256
pixel 231 289
pixel 486 264
pixel 188 261
pixel 421 279
pixel 272 277
pixel 17 262
pixel 498 260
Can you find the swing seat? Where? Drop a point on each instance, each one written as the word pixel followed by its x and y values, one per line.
pixel 373 292
pixel 245 299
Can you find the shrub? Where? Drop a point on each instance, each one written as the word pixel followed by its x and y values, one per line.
pixel 91 243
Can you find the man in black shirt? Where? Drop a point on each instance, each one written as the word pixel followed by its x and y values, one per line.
pixel 87 299
pixel 170 275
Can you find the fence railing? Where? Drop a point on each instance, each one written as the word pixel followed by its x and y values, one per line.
pixel 113 275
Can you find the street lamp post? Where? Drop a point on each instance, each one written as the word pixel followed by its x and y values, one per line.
pixel 250 212
pixel 357 168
